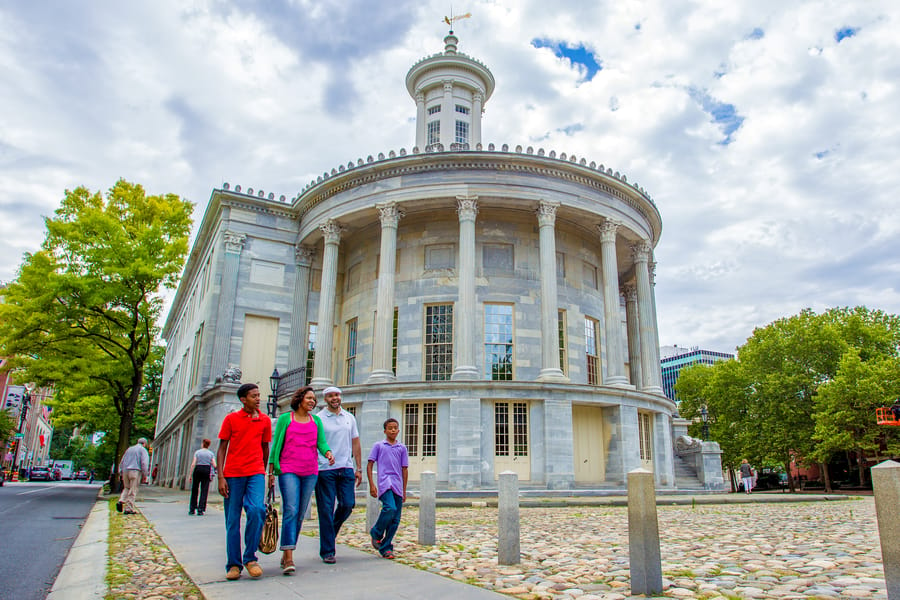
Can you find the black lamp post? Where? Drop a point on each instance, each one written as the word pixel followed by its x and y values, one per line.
pixel 704 416
pixel 274 380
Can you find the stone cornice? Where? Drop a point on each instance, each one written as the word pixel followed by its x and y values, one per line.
pixel 597 177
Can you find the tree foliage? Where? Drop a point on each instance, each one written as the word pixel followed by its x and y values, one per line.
pixel 82 314
pixel 805 385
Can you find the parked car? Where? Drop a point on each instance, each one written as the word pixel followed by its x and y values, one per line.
pixel 82 474
pixel 40 474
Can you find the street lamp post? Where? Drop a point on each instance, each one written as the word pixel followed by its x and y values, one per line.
pixel 704 416
pixel 274 380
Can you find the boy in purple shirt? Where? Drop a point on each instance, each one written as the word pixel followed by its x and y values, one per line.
pixel 392 460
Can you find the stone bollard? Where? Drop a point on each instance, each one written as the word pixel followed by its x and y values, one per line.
pixel 886 485
pixel 643 535
pixel 373 508
pixel 508 517
pixel 426 508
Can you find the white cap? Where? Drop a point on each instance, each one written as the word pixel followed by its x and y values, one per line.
pixel 331 390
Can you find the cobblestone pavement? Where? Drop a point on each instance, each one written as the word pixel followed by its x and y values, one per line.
pixel 141 565
pixel 787 551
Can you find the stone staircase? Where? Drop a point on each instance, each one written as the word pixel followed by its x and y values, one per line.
pixel 686 478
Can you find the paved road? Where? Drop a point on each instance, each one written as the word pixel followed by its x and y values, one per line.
pixel 38 524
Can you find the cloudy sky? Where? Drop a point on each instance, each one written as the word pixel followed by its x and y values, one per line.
pixel 767 132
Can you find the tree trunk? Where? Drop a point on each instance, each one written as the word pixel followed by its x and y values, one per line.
pixel 787 469
pixel 861 461
pixel 826 476
pixel 126 421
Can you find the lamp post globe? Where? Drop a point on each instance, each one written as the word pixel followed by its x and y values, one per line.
pixel 274 380
pixel 704 416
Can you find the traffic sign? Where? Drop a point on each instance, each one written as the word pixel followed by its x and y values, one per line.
pixel 19 436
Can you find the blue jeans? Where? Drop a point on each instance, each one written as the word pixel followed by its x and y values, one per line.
pixel 334 484
pixel 296 490
pixel 248 494
pixel 388 520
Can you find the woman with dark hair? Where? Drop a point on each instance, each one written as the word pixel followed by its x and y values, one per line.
pixel 298 439
pixel 201 472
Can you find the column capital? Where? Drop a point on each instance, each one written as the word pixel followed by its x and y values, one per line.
pixel 467 207
pixel 448 85
pixel 332 230
pixel 630 291
pixel 478 97
pixel 641 250
pixel 234 242
pixel 303 255
pixel 608 229
pixel 389 213
pixel 420 96
pixel 546 213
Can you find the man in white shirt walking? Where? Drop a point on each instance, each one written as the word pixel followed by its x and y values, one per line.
pixel 134 467
pixel 339 480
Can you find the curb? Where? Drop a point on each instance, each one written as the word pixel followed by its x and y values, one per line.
pixel 83 574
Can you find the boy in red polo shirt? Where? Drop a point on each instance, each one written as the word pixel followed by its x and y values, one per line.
pixel 243 453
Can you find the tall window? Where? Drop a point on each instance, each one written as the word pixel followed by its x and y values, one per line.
pixel 462 132
pixel 561 328
pixel 644 431
pixel 498 342
pixel 511 429
pixel 396 326
pixel 310 350
pixel 592 350
pixel 434 132
pixel 438 342
pixel 351 351
pixel 420 428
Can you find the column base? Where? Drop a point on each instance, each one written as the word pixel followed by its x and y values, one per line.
pixel 381 376
pixel 320 382
pixel 465 374
pixel 553 375
pixel 653 389
pixel 619 381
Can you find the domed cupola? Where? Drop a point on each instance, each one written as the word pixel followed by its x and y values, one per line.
pixel 450 90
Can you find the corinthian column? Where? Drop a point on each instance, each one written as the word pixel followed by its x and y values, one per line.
pixel 464 319
pixel 615 360
pixel 477 107
pixel 550 368
pixel 303 256
pixel 234 245
pixel 384 317
pixel 651 377
pixel 634 335
pixel 325 338
pixel 448 133
pixel 421 125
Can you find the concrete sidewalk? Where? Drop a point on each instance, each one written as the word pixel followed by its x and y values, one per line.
pixel 198 544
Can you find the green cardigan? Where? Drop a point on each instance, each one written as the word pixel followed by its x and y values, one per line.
pixel 278 439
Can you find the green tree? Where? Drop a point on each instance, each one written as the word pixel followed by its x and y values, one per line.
pixel 8 425
pixel 83 311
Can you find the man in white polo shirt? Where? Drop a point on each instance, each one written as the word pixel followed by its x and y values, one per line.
pixel 337 481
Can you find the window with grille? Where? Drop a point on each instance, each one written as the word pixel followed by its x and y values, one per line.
pixel 420 428
pixel 589 276
pixel 592 350
pixel 511 429
pixel 561 329
pixel 434 132
pixel 498 342
pixel 349 409
pixel 463 110
pixel 644 431
pixel 438 342
pixel 462 132
pixel 433 110
pixel 351 351
pixel 310 350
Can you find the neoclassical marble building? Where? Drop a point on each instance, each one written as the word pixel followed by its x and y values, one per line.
pixel 497 301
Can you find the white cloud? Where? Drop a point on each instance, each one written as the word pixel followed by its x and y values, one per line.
pixel 797 210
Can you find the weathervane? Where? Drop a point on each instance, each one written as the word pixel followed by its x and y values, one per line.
pixel 451 19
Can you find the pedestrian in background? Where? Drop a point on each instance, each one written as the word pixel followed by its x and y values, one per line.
pixel 339 479
pixel 392 460
pixel 200 473
pixel 296 445
pixel 134 468
pixel 746 476
pixel 242 456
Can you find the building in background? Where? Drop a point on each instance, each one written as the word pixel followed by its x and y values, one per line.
pixel 497 300
pixel 675 358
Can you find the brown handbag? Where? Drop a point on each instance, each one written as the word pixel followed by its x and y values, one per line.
pixel 268 541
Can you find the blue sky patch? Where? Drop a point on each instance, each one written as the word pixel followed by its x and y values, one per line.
pixel 821 154
pixel 578 56
pixel 723 114
pixel 570 129
pixel 844 32
pixel 756 34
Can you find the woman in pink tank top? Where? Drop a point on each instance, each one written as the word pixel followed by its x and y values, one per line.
pixel 298 440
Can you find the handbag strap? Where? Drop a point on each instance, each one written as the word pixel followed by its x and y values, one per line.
pixel 270 497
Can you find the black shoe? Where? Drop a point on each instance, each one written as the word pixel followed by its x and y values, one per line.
pixel 190 512
pixel 119 506
pixel 199 513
